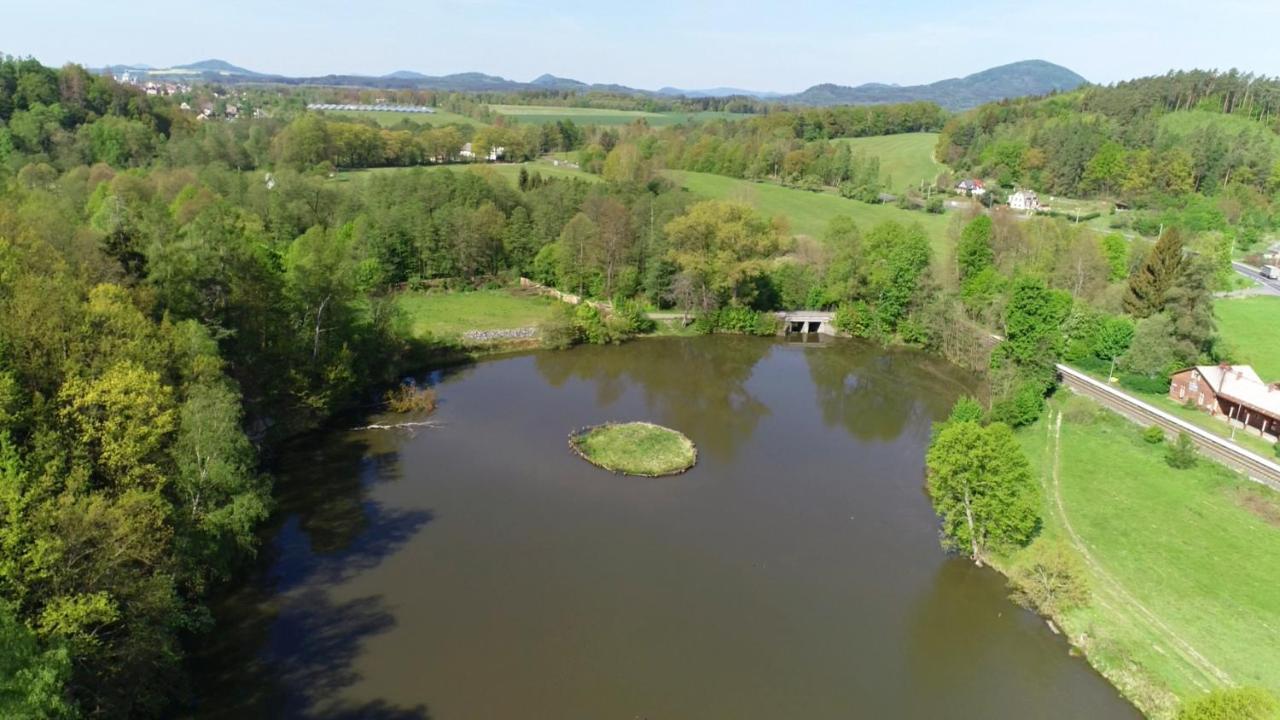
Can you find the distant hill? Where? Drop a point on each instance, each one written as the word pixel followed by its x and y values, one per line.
pixel 219 67
pixel 717 92
pixel 1029 77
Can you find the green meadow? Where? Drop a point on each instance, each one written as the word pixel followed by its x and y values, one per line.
pixel 539 114
pixel 1248 326
pixel 1181 563
pixel 390 119
pixel 809 212
pixel 906 160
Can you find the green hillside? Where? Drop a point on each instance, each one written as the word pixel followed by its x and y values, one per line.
pixel 905 160
pixel 809 212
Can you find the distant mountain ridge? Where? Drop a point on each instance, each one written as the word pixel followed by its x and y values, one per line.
pixel 1028 77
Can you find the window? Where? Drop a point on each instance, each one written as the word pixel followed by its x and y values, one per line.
pixel 1200 399
pixel 1182 392
pixel 1195 382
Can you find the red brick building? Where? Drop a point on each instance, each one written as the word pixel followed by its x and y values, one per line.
pixel 1232 392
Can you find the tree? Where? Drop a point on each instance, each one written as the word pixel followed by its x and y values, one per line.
pixel 1242 703
pixel 1152 351
pixel 1115 334
pixel 974 252
pixel 1148 286
pixel 723 246
pixel 982 488
pixel 897 257
pixel 1049 578
pixel 1116 251
pixel 31 676
pixel 1033 322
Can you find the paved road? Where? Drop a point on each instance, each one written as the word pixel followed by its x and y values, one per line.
pixel 1224 451
pixel 1265 285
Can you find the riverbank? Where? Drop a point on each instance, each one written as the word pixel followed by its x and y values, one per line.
pixel 1180 563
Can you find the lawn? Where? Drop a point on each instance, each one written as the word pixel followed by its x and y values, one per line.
pixel 389 119
pixel 1250 328
pixel 809 212
pixel 449 314
pixel 636 448
pixel 1183 562
pixel 905 159
pixel 539 114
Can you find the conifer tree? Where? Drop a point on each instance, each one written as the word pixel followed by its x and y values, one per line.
pixel 1148 286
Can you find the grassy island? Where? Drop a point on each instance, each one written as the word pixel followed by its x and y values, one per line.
pixel 635 448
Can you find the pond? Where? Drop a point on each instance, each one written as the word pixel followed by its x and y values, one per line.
pixel 479 569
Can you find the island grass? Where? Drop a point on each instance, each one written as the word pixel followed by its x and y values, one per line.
pixel 809 212
pixel 450 314
pixel 906 159
pixel 1248 325
pixel 635 448
pixel 1184 559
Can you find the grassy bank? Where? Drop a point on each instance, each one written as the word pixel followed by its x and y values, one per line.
pixel 636 448
pixel 809 212
pixel 1248 325
pixel 447 315
pixel 1181 563
pixel 905 159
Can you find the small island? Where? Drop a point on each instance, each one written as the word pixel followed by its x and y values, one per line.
pixel 635 448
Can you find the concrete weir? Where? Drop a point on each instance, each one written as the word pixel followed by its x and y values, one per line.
pixel 808 321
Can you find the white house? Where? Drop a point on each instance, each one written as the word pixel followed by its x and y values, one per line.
pixel 497 153
pixel 971 187
pixel 466 153
pixel 1024 200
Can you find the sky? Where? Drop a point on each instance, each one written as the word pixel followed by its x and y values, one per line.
pixel 778 46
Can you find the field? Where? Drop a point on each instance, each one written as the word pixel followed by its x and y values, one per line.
pixel 510 171
pixel 905 160
pixel 809 212
pixel 538 114
pixel 449 314
pixel 1181 563
pixel 1249 327
pixel 389 119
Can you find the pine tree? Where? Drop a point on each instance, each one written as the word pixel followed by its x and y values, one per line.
pixel 1149 286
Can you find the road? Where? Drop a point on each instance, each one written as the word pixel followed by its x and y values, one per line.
pixel 1265 285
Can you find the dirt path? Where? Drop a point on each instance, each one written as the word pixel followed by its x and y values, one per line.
pixel 1115 597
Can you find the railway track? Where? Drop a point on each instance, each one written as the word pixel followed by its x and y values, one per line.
pixel 1255 466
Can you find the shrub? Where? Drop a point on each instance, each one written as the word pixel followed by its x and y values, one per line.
pixel 855 319
pixel 1182 453
pixel 1022 407
pixel 1049 578
pixel 560 331
pixel 934 205
pixel 1141 383
pixel 1243 703
pixel 591 326
pixel 966 409
pixel 629 319
pixel 1153 435
pixel 1276 449
pixel 410 397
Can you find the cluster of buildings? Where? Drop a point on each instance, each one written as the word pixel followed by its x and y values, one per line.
pixel 495 153
pixel 380 107
pixel 1025 200
pixel 1233 393
pixel 152 87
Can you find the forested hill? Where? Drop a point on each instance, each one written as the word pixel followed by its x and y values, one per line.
pixel 1201 142
pixel 1026 78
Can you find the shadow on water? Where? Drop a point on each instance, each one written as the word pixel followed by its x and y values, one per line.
pixel 707 398
pixel 281 647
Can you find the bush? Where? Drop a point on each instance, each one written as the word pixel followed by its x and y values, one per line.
pixel 1049 578
pixel 1182 453
pixel 855 319
pixel 934 205
pixel 591 326
pixel 966 409
pixel 629 319
pixel 1153 435
pixel 1244 703
pixel 560 331
pixel 1143 384
pixel 740 320
pixel 1022 407
pixel 410 397
pixel 1276 449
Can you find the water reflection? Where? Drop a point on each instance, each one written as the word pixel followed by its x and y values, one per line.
pixel 875 394
pixel 699 387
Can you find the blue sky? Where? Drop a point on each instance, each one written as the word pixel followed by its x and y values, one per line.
pixel 757 45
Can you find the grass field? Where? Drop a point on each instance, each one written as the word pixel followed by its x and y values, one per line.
pixel 905 160
pixel 1182 564
pixel 388 119
pixel 598 116
pixel 636 448
pixel 449 314
pixel 510 171
pixel 809 212
pixel 1249 327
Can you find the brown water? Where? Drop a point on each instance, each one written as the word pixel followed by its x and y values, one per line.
pixel 480 570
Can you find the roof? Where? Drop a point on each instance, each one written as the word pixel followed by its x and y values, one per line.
pixel 1241 384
